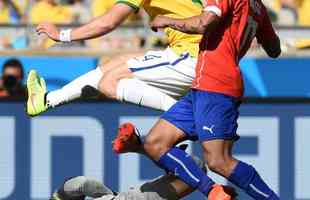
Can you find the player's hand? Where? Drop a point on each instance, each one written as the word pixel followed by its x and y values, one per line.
pixel 50 30
pixel 159 22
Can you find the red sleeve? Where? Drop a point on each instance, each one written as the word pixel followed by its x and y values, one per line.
pixel 219 7
pixel 265 31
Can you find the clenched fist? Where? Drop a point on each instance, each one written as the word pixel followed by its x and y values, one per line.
pixel 159 22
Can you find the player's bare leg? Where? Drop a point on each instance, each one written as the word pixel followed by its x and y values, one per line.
pixel 159 146
pixel 114 80
pixel 120 84
pixel 39 101
pixel 218 155
pixel 74 89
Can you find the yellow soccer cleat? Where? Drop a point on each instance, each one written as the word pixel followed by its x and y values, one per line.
pixel 56 196
pixel 36 94
pixel 60 194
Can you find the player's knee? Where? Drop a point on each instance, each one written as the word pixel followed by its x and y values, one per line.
pixel 216 164
pixel 107 86
pixel 102 68
pixel 219 164
pixel 154 147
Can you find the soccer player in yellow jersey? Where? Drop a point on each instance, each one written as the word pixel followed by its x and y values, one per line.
pixel 155 79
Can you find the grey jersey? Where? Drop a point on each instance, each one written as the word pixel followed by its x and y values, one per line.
pixel 158 189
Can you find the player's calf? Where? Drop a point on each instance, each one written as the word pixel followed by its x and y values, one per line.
pixel 220 164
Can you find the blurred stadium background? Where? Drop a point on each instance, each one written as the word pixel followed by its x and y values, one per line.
pixel 37 154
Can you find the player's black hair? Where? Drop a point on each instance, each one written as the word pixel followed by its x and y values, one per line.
pixel 15 63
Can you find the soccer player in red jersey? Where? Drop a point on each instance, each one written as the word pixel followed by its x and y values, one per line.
pixel 209 112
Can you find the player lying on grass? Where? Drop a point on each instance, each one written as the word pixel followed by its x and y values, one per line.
pixel 154 79
pixel 210 110
pixel 167 187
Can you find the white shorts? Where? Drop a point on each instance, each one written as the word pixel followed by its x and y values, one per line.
pixel 170 73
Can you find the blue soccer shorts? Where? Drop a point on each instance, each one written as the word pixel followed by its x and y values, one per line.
pixel 205 116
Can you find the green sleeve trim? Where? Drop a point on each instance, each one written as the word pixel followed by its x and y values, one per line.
pixel 133 6
pixel 197 1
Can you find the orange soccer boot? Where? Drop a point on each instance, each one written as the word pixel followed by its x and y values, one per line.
pixel 127 139
pixel 220 192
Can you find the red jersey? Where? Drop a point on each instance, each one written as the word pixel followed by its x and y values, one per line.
pixel 220 51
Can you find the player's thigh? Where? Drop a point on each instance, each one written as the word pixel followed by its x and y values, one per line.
pixel 109 81
pixel 175 125
pixel 161 138
pixel 121 68
pixel 181 116
pixel 118 61
pixel 216 125
pixel 170 73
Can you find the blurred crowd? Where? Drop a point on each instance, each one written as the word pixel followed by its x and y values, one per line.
pixel 289 12
pixel 65 12
pixel 55 11
pixel 282 12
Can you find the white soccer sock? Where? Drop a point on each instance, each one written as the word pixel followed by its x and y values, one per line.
pixel 138 92
pixel 73 90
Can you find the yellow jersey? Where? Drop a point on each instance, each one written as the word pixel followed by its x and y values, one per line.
pixel 179 42
pixel 45 12
pixel 100 7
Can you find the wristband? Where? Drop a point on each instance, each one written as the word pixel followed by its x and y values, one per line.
pixel 65 35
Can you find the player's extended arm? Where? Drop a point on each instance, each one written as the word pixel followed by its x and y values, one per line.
pixel 99 26
pixel 200 24
pixel 272 48
pixel 267 36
